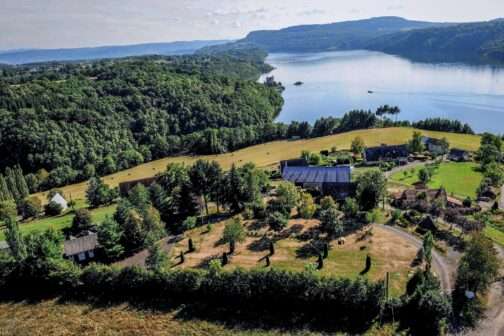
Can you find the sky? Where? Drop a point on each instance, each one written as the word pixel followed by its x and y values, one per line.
pixel 79 23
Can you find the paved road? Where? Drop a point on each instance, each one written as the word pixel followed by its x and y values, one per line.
pixel 438 262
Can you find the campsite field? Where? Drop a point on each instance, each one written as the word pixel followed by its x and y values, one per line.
pixel 459 179
pixel 61 222
pixel 270 154
pixel 294 251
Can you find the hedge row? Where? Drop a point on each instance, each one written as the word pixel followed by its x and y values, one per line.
pixel 301 296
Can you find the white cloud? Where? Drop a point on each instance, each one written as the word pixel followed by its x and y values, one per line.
pixel 72 23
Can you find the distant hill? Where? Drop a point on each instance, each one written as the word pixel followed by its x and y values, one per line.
pixel 479 42
pixel 80 54
pixel 335 36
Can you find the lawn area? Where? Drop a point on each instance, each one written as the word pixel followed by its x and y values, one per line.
pixel 270 154
pixel 293 251
pixel 61 222
pixel 495 234
pixel 459 179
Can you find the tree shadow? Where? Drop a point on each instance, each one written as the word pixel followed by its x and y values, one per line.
pixel 260 245
pixel 311 249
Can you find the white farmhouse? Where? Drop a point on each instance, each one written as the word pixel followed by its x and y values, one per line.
pixel 57 198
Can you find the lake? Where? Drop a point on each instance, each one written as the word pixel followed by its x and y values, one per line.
pixel 337 82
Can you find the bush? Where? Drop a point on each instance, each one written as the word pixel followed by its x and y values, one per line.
pixel 277 221
pixel 82 221
pixel 30 207
pixel 53 209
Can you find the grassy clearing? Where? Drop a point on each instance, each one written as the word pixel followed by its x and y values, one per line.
pixel 495 234
pixel 61 222
pixel 269 154
pixel 460 179
pixel 389 252
pixel 52 318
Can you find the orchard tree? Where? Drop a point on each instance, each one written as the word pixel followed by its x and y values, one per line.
pixel 307 207
pixel 233 233
pixel 330 222
pixel 288 195
pixel 350 207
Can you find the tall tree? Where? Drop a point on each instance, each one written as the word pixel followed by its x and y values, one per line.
pixel 204 178
pixel 109 238
pixel 5 193
pixel 428 243
pixel 14 239
pixel 234 192
pixel 157 259
pixel 370 189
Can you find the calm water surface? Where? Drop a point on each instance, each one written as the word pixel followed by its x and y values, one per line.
pixel 337 82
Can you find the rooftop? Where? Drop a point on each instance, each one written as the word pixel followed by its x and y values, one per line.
pixel 82 244
pixel 337 174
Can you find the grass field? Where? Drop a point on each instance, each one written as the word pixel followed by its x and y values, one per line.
pixel 389 252
pixel 461 179
pixel 269 154
pixel 52 318
pixel 495 234
pixel 61 222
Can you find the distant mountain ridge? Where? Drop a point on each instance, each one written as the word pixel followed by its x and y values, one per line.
pixel 25 56
pixel 334 36
pixel 478 42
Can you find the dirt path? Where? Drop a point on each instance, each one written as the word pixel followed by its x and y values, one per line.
pixel 440 266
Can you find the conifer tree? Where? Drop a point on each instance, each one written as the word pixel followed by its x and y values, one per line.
pixel 14 239
pixel 11 183
pixel 5 194
pixel 21 184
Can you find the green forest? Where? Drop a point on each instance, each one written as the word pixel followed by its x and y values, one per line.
pixel 65 122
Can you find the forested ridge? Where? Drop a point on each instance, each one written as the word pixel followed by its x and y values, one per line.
pixel 78 120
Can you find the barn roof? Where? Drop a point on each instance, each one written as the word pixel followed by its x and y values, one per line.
pixel 82 244
pixel 338 174
pixel 373 154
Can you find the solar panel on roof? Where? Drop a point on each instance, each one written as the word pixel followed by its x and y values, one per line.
pixel 341 174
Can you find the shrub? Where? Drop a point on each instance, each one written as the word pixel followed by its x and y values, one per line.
pixel 53 209
pixel 277 221
pixel 82 221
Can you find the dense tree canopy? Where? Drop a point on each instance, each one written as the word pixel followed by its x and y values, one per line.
pixel 78 120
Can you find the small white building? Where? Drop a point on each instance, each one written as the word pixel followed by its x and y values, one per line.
pixel 57 198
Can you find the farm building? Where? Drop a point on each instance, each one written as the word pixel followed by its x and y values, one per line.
pixel 420 198
pixel 81 249
pixel 335 181
pixel 293 163
pixel 459 155
pixel 57 198
pixel 397 153
pixel 434 146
